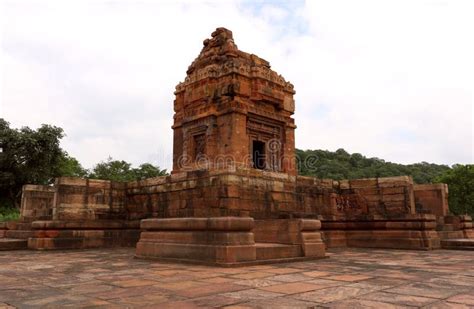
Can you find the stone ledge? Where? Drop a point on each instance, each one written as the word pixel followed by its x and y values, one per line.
pixel 40 188
pixel 12 244
pixel 199 237
pixel 429 187
pixel 85 225
pixel 189 224
pixel 361 218
pixel 380 225
pixel 125 239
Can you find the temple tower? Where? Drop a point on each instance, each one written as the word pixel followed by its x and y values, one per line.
pixel 232 109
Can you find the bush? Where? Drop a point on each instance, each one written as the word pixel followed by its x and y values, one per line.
pixel 460 182
pixel 9 214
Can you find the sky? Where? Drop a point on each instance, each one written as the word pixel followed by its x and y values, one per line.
pixel 392 79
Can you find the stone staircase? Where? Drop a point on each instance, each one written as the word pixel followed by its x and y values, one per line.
pixel 14 235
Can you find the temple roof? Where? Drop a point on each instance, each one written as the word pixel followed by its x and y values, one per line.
pixel 220 55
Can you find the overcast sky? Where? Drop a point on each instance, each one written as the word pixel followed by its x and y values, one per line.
pixel 391 79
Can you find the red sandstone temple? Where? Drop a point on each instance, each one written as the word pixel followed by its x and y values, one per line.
pixel 234 196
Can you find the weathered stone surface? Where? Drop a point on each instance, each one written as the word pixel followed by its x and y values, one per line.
pixel 405 232
pixel 89 199
pixel 37 202
pixel 432 198
pixel 230 106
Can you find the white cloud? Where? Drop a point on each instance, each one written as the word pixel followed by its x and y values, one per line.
pixel 392 79
pixel 383 67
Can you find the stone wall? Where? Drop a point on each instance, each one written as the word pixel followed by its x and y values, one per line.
pixel 230 192
pixel 388 196
pixel 432 199
pixel 410 231
pixel 37 202
pixel 266 195
pixel 89 199
pixel 316 196
pixel 214 193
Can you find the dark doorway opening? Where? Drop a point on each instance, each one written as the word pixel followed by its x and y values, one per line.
pixel 258 155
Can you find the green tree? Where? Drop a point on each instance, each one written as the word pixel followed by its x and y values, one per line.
pixel 116 170
pixel 343 165
pixel 27 156
pixel 148 170
pixel 460 182
pixel 69 166
pixel 119 170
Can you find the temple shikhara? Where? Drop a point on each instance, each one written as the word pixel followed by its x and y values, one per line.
pixel 234 196
pixel 232 109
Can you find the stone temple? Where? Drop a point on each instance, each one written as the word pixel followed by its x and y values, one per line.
pixel 232 109
pixel 234 196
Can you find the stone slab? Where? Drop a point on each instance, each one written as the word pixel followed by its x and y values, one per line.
pixel 13 244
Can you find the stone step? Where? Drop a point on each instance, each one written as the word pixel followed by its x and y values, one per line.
pixel 13 244
pixel 458 244
pixel 18 234
pixel 24 226
pixel 15 225
pixel 447 227
pixel 450 234
pixel 268 251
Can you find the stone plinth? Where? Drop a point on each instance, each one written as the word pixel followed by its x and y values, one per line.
pixel 220 241
pixel 404 232
pixel 15 229
pixel 302 232
pixel 7 244
pixel 463 224
pixel 467 226
pixel 230 241
pixel 49 235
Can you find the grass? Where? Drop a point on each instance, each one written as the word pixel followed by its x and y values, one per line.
pixel 9 214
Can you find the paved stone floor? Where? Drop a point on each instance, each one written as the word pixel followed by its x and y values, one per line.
pixel 350 278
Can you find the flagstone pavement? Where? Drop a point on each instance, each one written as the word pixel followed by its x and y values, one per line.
pixel 349 278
